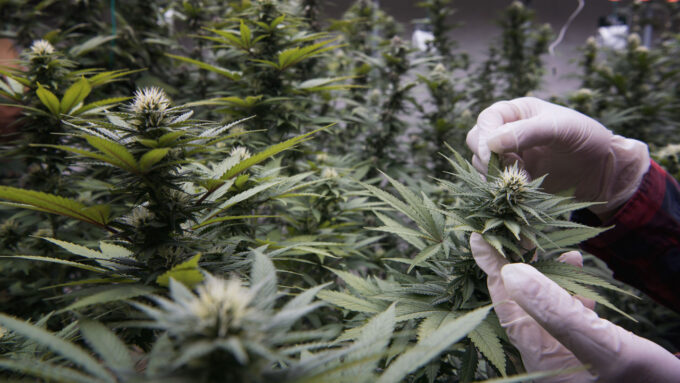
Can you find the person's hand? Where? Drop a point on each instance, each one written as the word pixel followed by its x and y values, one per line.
pixel 554 330
pixel 575 151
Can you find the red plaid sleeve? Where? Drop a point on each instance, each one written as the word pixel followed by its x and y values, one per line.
pixel 643 249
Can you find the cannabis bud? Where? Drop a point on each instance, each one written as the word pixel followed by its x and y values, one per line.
pixel 41 48
pixel 329 173
pixel 508 206
pixel 219 307
pixel 240 152
pixel 150 106
pixel 511 185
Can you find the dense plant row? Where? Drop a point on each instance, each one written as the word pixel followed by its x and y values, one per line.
pixel 250 193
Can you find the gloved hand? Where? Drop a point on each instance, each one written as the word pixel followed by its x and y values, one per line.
pixel 554 330
pixel 574 150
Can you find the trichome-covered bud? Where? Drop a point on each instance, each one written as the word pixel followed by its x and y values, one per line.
pixel 240 152
pixel 41 48
pixel 150 106
pixel 329 173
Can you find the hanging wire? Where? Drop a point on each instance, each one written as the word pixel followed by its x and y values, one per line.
pixel 563 31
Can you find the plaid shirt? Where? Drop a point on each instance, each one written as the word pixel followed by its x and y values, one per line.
pixel 643 249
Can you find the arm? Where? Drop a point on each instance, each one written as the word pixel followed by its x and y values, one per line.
pixel 643 248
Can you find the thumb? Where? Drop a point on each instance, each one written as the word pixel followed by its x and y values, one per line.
pixel 613 353
pixel 517 136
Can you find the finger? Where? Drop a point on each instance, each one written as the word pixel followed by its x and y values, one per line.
pixel 611 351
pixel 539 350
pixel 498 114
pixel 472 139
pixel 575 258
pixel 480 165
pixel 515 137
pixel 476 141
pixel 491 262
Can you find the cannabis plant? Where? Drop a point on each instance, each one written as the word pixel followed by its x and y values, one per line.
pixel 522 44
pixel 441 280
pixel 159 197
pixel 438 20
pixel 628 90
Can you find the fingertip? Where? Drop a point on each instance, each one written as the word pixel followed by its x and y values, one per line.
pixel 502 141
pixel 573 258
pixel 480 165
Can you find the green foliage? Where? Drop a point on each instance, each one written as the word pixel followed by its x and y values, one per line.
pixel 521 46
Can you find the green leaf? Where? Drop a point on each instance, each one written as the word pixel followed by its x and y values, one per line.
pixel 117 154
pixel 48 371
pixel 66 349
pixel 75 249
pixel 430 347
pixel 53 204
pixel 231 218
pixel 87 46
pixel 489 344
pixel 240 197
pixel 74 95
pixel 113 294
pixel 245 34
pixel 469 363
pixel 349 302
pixel 372 343
pixel 569 237
pixel 575 274
pixel 263 279
pixel 98 105
pixel 161 355
pixel 424 255
pixel 48 99
pixel 60 261
pixel 578 289
pixel 105 343
pixel 186 272
pixel 268 153
pixel 434 321
pixel 359 284
pixel 235 76
pixel 151 158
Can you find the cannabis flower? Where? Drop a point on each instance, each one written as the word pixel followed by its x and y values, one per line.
pixel 150 100
pixel 240 152
pixel 508 207
pixel 329 173
pixel 322 157
pixel 139 217
pixel 41 48
pixel 218 308
pixel 150 106
pixel 512 182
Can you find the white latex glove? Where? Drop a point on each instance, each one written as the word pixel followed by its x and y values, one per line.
pixel 573 149
pixel 554 330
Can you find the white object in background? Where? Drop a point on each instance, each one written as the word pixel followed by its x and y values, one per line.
pixel 614 36
pixel 420 39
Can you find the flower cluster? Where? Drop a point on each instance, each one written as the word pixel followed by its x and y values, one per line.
pixel 219 307
pixel 41 48
pixel 150 106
